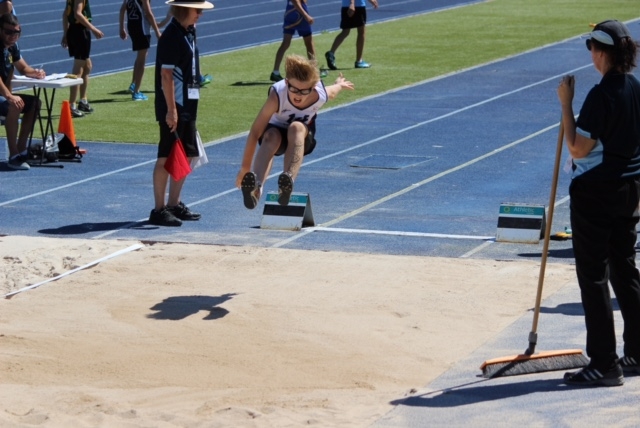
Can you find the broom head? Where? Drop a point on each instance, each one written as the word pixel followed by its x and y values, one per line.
pixel 541 362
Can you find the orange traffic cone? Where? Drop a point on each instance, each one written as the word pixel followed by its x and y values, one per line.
pixel 66 124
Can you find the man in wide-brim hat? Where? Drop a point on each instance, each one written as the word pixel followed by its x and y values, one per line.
pixel 193 4
pixel 177 88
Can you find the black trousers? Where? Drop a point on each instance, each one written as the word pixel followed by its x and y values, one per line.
pixel 604 215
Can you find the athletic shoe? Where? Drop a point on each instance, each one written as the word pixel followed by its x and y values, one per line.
pixel 285 187
pixel 18 163
pixel 362 64
pixel 182 212
pixel 139 96
pixel 275 77
pixel 205 80
pixel 84 107
pixel 331 60
pixel 629 365
pixel 323 73
pixel 164 217
pixel 594 377
pixel 76 113
pixel 132 88
pixel 249 186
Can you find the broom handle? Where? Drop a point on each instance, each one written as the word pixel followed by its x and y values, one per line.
pixel 533 336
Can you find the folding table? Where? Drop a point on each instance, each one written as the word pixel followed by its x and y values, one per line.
pixel 40 86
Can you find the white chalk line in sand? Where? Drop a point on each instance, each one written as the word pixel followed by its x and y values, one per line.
pixel 88 265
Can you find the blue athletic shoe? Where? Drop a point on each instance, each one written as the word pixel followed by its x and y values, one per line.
pixel 132 88
pixel 139 96
pixel 362 64
pixel 205 80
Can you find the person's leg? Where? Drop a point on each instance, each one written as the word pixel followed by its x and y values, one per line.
pixel 270 144
pixel 160 180
pixel 339 39
pixel 175 188
pixel 78 70
pixel 590 226
pixel 11 126
pixel 360 43
pixel 28 120
pixel 138 68
pixel 286 42
pixel 296 135
pixel 625 279
pixel 85 79
pixel 311 49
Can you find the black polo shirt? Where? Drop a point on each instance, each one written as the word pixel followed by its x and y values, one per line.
pixel 10 55
pixel 611 116
pixel 176 50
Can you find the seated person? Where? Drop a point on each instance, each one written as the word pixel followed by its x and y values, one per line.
pixel 12 106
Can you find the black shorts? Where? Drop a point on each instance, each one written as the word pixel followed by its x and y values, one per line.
pixel 187 133
pixel 139 40
pixel 309 140
pixel 359 18
pixel 79 41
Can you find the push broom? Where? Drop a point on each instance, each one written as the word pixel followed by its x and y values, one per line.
pixel 530 362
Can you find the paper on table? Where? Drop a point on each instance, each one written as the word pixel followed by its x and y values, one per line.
pixel 54 76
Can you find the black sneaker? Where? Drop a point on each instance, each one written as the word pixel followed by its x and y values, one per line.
pixel 183 212
pixel 594 377
pixel 249 186
pixel 85 107
pixel 76 113
pixel 164 217
pixel 331 60
pixel 285 187
pixel 18 163
pixel 629 365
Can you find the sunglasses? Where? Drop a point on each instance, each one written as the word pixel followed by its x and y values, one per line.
pixel 11 32
pixel 589 44
pixel 295 90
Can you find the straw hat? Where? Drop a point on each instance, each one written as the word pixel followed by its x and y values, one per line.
pixel 195 4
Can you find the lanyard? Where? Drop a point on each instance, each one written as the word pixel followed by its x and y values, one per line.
pixel 192 46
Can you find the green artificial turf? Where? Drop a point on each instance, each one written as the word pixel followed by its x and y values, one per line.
pixel 401 52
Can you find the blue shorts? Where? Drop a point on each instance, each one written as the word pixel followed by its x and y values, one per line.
pixel 29 103
pixel 293 22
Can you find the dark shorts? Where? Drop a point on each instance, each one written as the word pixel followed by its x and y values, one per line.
pixel 359 18
pixel 309 141
pixel 139 40
pixel 295 22
pixel 79 41
pixel 187 133
pixel 30 102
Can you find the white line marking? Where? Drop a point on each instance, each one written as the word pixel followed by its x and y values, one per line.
pixel 88 265
pixel 398 233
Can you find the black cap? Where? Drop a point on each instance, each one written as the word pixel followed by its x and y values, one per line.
pixel 610 32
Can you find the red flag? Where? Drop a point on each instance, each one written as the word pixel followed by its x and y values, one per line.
pixel 177 164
